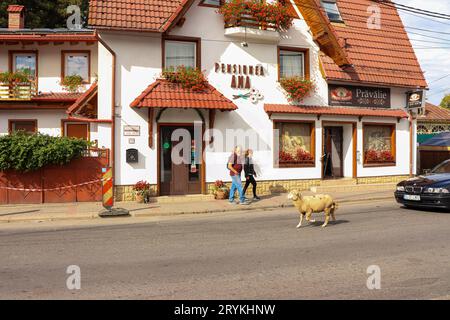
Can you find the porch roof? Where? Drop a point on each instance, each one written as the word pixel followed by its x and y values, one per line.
pixel 164 94
pixel 320 110
pixel 56 97
pixel 83 99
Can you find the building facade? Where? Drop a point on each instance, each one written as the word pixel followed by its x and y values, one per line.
pixel 353 124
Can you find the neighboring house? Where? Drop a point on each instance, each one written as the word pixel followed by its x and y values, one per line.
pixel 433 151
pixel 42 104
pixel 433 129
pixel 433 121
pixel 353 125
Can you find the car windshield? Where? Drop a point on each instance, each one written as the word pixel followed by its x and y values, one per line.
pixel 444 167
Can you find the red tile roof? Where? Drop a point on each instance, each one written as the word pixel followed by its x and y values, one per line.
pixel 83 98
pixel 56 97
pixel 15 8
pixel 341 111
pixel 435 114
pixel 142 15
pixel 379 56
pixel 163 94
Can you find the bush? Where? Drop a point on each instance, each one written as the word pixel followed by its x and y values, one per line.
pixel 28 152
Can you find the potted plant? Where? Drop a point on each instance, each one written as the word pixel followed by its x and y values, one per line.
pixel 188 78
pixel 296 88
pixel 304 156
pixel 142 191
pixel 268 15
pixel 72 83
pixel 374 156
pixel 220 190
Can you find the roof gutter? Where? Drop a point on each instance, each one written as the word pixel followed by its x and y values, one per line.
pixel 113 104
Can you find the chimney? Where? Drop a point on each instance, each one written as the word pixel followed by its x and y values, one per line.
pixel 16 17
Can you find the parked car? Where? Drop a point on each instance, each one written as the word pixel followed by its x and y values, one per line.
pixel 430 191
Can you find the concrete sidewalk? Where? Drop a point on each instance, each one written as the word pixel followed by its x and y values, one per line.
pixel 90 210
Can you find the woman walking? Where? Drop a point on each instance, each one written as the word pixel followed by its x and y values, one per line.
pixel 250 173
pixel 235 167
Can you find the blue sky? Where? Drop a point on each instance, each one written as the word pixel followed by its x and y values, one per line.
pixel 434 62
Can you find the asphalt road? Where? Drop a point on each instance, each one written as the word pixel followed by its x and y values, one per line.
pixel 243 255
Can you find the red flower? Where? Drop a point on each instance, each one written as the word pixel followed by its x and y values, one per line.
pixel 188 78
pixel 379 156
pixel 141 186
pixel 269 15
pixel 297 88
pixel 303 156
pixel 286 157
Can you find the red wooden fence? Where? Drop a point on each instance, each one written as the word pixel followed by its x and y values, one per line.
pixel 78 181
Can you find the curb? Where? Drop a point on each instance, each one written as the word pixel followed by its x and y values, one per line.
pixel 234 209
pixel 94 215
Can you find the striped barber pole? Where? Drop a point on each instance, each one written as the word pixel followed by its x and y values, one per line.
pixel 107 188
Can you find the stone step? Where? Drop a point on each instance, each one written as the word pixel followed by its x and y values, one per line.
pixel 338 182
pixel 354 188
pixel 183 199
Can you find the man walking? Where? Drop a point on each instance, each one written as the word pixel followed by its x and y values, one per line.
pixel 235 166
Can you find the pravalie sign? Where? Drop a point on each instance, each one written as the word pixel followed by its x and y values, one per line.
pixel 370 97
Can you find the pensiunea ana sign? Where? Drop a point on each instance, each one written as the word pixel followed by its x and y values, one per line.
pixel 241 74
pixel 356 96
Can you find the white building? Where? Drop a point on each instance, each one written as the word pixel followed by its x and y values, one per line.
pixel 354 124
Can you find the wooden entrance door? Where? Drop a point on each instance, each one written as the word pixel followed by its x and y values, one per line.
pixel 178 178
pixel 77 130
pixel 333 160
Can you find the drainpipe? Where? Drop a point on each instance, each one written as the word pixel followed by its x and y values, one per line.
pixel 411 145
pixel 113 103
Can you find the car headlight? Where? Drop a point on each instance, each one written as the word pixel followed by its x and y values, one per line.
pixel 437 190
pixel 401 188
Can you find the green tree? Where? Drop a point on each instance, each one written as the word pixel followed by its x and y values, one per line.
pixel 44 13
pixel 445 103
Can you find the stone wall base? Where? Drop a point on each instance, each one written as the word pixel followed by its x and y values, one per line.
pixel 383 179
pixel 125 193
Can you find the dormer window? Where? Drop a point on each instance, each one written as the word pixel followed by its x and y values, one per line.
pixel 332 10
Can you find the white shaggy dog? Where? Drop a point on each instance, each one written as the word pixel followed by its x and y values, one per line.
pixel 308 205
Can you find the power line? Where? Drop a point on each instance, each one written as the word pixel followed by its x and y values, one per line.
pixel 430 48
pixel 441 78
pixel 415 10
pixel 439 92
pixel 427 30
pixel 394 27
pixel 421 10
pixel 426 41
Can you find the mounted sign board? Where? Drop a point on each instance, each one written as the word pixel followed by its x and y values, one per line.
pixel 369 97
pixel 131 131
pixel 414 99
